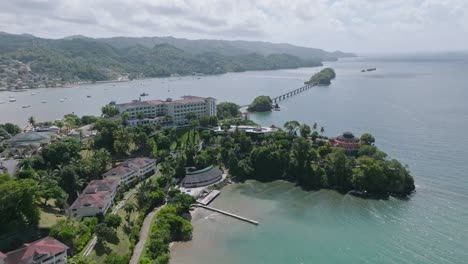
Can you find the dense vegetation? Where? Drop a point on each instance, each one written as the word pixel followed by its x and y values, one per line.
pixel 313 164
pixel 323 77
pixel 261 104
pixel 226 110
pixel 89 59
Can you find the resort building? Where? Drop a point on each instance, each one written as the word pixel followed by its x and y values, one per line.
pixel 168 112
pixel 131 170
pixel 34 139
pixel 201 178
pixel 96 198
pixel 43 251
pixel 347 141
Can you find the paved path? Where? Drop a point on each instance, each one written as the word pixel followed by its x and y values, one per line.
pixel 114 211
pixel 140 246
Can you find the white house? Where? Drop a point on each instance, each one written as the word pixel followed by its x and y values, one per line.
pixel 43 251
pixel 96 198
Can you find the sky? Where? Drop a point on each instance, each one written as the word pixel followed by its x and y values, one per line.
pixel 347 25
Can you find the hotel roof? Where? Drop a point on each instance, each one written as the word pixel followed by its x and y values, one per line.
pixel 99 199
pixel 44 246
pixel 105 185
pixel 184 100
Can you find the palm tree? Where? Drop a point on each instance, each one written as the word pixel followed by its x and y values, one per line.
pixel 125 117
pixel 292 126
pixel 32 121
pixel 314 126
pixel 322 130
pixel 129 208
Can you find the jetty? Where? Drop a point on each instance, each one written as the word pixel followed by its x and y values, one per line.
pixel 289 94
pixel 228 214
pixel 210 197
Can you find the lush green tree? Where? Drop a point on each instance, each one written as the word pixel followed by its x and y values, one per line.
pixel 88 119
pixel 61 152
pixel 11 129
pixel 104 233
pixel 292 126
pixel 367 139
pixel 122 140
pixel 261 104
pixel 113 220
pixel 18 199
pixel 204 120
pixel 304 130
pixel 163 142
pixel 191 116
pixel 183 202
pixel 109 111
pixel 69 181
pixel 129 209
pixel 225 110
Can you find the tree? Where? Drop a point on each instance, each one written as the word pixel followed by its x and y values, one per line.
pixel 261 104
pixel 61 152
pixel 11 129
pixel 225 127
pixel 304 130
pixel 140 116
pixel 32 121
pixel 204 120
pixel 367 139
pixel 109 111
pixel 323 77
pixel 314 126
pixel 190 116
pixel 322 129
pixel 113 220
pixel 69 181
pixel 104 233
pixel 125 116
pixel 129 209
pixel 292 126
pixel 225 110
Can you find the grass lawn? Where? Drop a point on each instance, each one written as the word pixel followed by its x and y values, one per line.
pixel 49 215
pixel 100 252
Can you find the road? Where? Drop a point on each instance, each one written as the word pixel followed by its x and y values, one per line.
pixel 144 232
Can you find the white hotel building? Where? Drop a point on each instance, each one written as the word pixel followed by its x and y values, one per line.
pixel 169 111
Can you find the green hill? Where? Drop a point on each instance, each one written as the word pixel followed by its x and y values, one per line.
pixel 79 58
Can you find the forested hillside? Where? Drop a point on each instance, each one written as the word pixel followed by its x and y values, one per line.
pixel 36 61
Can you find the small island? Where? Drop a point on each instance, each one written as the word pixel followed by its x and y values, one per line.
pixel 261 104
pixel 323 77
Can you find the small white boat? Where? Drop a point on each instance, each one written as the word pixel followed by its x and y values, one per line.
pixel 26 106
pixel 62 100
pixel 33 93
pixel 12 100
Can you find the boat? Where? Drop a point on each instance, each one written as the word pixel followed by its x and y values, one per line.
pixel 371 69
pixel 43 102
pixel 61 100
pixel 144 94
pixel 12 100
pixel 33 93
pixel 26 106
pixel 89 96
pixel 2 102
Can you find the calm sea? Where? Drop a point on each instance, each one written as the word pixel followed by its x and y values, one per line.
pixel 415 106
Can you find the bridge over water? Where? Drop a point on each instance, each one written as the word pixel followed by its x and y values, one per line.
pixel 289 94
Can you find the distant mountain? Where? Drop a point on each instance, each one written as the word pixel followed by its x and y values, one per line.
pixel 80 58
pixel 224 47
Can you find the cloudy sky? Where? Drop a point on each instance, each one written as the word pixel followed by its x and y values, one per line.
pixel 348 25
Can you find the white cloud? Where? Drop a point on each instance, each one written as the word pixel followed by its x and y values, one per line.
pixel 351 25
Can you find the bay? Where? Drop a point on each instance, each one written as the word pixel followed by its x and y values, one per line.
pixel 416 108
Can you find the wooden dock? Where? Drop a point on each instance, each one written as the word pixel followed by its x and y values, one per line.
pixel 228 214
pixel 210 197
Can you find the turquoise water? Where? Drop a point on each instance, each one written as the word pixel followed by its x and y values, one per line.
pixel 417 110
pixel 415 106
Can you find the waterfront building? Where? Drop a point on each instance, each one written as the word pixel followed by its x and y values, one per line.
pixel 168 112
pixel 35 139
pixel 131 170
pixel 202 177
pixel 43 251
pixel 347 141
pixel 248 129
pixel 96 198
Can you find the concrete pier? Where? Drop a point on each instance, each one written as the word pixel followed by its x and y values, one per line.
pixel 228 214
